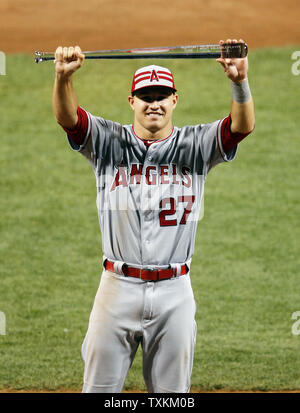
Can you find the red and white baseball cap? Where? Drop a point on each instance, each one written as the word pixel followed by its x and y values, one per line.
pixel 152 76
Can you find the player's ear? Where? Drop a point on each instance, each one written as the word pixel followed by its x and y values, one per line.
pixel 131 101
pixel 175 99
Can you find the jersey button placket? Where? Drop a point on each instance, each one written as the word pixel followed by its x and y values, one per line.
pixel 146 213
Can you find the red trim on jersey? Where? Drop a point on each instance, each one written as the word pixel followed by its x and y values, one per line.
pixel 148 142
pixel 228 138
pixel 78 133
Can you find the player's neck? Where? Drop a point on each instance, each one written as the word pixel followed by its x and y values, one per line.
pixel 147 134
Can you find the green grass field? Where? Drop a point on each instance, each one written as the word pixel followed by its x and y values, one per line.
pixel 245 270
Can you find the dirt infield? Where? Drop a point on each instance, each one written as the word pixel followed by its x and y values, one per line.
pixel 26 26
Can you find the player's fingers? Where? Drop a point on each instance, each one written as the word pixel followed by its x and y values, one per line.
pixel 71 53
pixel 221 42
pixel 65 53
pixel 222 63
pixel 234 41
pixel 77 49
pixel 228 41
pixel 79 54
pixel 58 54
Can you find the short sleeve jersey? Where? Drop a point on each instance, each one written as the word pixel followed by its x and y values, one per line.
pixel 149 197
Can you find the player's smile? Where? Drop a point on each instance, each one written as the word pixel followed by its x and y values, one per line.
pixel 153 107
pixel 158 114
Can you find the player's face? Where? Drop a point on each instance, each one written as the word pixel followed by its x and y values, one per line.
pixel 153 108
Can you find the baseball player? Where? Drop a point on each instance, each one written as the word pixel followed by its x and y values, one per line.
pixel 150 179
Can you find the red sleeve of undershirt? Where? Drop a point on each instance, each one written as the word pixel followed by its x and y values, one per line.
pixel 229 139
pixel 78 133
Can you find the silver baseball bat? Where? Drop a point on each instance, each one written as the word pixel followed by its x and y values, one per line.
pixel 200 51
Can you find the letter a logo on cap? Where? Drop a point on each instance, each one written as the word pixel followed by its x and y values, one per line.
pixel 154 76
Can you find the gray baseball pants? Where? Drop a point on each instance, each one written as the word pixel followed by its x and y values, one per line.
pixel 127 312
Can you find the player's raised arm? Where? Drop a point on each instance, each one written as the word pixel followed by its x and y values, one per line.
pixel 64 100
pixel 242 106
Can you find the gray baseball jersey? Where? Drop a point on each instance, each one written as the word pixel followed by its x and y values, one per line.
pixel 149 202
pixel 149 197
